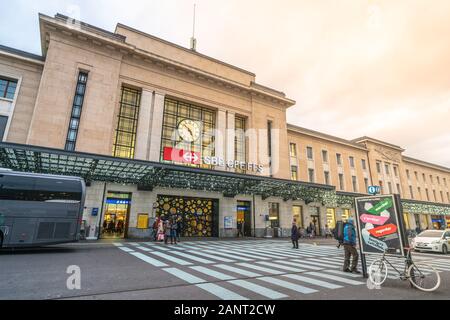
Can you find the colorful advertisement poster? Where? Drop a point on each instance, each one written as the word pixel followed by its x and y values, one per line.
pixel 379 225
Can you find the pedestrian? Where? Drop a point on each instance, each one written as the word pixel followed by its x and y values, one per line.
pixel 328 232
pixel 179 229
pixel 168 231
pixel 160 233
pixel 239 229
pixel 350 248
pixel 155 228
pixel 174 231
pixel 294 235
pixel 312 230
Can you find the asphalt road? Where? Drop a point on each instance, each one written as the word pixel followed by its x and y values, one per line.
pixel 198 270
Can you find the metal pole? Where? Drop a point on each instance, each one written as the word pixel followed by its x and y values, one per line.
pixel 254 216
pixel 101 213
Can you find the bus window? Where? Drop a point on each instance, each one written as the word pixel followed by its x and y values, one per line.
pixel 18 188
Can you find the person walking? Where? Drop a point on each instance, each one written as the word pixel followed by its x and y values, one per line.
pixel 160 233
pixel 174 231
pixel 350 248
pixel 167 231
pixel 328 232
pixel 179 228
pixel 239 229
pixel 294 235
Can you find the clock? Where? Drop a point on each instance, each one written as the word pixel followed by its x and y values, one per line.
pixel 189 130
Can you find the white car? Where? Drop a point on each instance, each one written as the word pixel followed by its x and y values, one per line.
pixel 432 241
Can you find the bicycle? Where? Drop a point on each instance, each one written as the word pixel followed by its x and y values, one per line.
pixel 421 275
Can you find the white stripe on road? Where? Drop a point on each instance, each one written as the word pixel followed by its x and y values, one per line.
pixel 235 252
pixel 173 259
pixel 149 260
pixel 262 269
pixel 342 273
pixel 118 244
pixel 220 292
pixel 295 264
pixel 191 257
pixel 316 282
pixel 274 265
pixel 266 292
pixel 228 255
pixel 315 263
pixel 201 253
pixel 238 270
pixel 126 249
pixel 335 278
pixel 184 276
pixel 143 249
pixel 288 285
pixel 212 273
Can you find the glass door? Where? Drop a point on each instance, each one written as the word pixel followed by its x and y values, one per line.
pixel 115 219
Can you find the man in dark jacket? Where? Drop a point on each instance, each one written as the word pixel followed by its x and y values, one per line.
pixel 294 235
pixel 350 248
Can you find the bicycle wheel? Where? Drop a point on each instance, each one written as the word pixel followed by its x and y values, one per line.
pixel 424 277
pixel 378 272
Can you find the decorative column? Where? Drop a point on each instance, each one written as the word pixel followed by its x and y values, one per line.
pixel 156 129
pixel 231 127
pixel 220 135
pixel 144 123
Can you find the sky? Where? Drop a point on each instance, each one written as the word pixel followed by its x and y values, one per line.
pixel 355 67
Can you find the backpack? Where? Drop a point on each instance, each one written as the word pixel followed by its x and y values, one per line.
pixel 339 231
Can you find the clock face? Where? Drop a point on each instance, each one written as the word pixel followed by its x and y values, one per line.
pixel 189 130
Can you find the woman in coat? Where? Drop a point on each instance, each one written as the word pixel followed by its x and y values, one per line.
pixel 294 235
pixel 167 231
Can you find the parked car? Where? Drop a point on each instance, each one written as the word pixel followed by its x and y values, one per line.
pixel 432 241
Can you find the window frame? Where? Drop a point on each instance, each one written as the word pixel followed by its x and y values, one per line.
pixel 9 81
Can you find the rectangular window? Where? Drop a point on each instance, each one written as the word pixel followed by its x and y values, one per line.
pixel 427 194
pixel 293 150
pixel 3 123
pixel 398 189
pixel 366 184
pixel 341 181
pixel 445 182
pixel 381 187
pixel 345 214
pixel 438 180
pixel 386 168
pixel 269 147
pixel 423 177
pixel 419 191
pixel 411 192
pixel 442 196
pixel 326 175
pixel 309 153
pixel 431 179
pixel 331 218
pixel 407 173
pixel 325 156
pixel 417 176
pixel 448 197
pixel 338 159
pixel 395 171
pixel 311 175
pixel 274 215
pixel 240 142
pixel 125 139
pixel 7 88
pixel 77 106
pixel 434 195
pixel 363 164
pixel 294 173
pixel 354 184
pixel 175 112
pixel 390 187
pixel 379 167
pixel 352 162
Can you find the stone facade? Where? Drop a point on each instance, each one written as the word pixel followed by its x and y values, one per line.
pixel 41 110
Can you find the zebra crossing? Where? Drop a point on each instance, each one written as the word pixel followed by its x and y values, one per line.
pixel 255 269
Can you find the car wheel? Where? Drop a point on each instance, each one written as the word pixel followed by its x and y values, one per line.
pixel 444 249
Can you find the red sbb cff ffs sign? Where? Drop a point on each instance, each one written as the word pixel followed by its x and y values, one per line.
pixel 182 156
pixel 383 230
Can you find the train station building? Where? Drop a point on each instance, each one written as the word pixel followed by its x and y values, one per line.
pixel 158 129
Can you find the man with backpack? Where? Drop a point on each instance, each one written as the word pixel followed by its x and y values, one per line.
pixel 350 247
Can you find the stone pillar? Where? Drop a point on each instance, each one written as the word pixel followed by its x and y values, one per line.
pixel 144 124
pixel 156 129
pixel 231 126
pixel 275 159
pixel 220 136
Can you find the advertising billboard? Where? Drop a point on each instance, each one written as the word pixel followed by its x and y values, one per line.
pixel 380 225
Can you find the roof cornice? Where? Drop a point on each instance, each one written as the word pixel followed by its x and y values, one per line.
pixel 24 56
pixel 386 144
pixel 324 136
pixel 424 163
pixel 103 38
